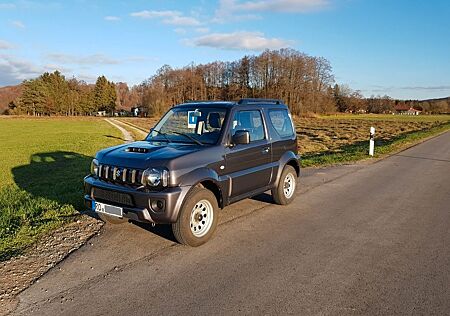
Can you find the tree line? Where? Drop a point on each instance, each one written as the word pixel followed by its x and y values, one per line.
pixel 302 81
pixel 53 94
pixel 306 83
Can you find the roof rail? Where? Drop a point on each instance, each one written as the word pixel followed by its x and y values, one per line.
pixel 203 101
pixel 256 100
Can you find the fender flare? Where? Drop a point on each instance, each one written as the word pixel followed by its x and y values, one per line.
pixel 288 158
pixel 199 175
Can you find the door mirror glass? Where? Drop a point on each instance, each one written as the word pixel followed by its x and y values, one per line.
pixel 241 137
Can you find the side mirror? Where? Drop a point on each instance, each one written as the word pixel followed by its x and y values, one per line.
pixel 241 137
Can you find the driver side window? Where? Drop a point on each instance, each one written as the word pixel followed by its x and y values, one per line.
pixel 250 121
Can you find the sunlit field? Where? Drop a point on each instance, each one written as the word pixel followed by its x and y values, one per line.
pixel 42 165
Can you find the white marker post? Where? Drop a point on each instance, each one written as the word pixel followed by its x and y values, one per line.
pixel 371 141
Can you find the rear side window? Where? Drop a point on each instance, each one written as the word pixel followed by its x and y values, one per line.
pixel 281 121
pixel 250 121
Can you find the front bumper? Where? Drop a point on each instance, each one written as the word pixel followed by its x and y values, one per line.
pixel 142 205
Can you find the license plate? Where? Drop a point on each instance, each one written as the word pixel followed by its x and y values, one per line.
pixel 107 209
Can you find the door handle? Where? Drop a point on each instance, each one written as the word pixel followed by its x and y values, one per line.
pixel 265 150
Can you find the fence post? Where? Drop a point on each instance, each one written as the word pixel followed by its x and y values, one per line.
pixel 371 141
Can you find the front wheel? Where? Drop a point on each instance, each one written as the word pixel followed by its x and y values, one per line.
pixel 197 220
pixel 284 192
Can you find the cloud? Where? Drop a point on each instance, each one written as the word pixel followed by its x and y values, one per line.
pixel 288 6
pixel 202 30
pixel 18 24
pixel 232 9
pixel 168 17
pixel 93 59
pixel 5 45
pixel 86 77
pixel 14 70
pixel 254 41
pixel 7 6
pixel 426 88
pixel 111 18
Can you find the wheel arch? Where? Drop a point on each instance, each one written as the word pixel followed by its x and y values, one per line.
pixel 212 186
pixel 288 159
pixel 205 178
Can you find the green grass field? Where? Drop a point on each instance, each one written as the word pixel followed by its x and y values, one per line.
pixel 42 165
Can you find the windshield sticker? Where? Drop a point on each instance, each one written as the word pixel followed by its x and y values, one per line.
pixel 192 119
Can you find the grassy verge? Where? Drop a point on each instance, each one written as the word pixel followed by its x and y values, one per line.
pixel 42 165
pixel 359 151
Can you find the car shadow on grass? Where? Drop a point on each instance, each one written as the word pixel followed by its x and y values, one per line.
pixel 57 176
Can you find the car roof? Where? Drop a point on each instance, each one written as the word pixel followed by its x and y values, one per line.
pixel 272 103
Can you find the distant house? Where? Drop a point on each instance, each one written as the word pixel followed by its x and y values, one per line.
pixel 404 109
pixel 122 112
pixel 100 113
pixel 139 111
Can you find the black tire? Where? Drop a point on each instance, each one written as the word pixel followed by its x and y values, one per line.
pixel 192 206
pixel 111 219
pixel 279 192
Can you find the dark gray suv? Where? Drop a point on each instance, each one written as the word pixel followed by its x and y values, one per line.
pixel 199 158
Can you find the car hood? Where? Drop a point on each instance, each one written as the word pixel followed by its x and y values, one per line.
pixel 143 154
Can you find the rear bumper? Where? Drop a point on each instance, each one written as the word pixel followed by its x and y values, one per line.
pixel 142 205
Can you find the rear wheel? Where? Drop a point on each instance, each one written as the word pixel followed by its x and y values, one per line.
pixel 284 193
pixel 197 219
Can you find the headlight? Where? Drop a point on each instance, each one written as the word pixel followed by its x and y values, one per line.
pixel 94 167
pixel 155 177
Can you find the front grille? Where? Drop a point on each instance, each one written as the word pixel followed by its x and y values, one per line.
pixel 112 196
pixel 120 175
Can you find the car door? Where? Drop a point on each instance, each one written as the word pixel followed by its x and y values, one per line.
pixel 249 165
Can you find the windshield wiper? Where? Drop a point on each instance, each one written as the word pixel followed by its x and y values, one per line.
pixel 190 137
pixel 162 134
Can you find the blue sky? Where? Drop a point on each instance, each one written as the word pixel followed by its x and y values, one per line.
pixel 395 47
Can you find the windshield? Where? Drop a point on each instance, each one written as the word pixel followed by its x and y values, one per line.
pixel 189 125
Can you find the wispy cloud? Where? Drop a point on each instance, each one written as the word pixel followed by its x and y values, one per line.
pixel 111 18
pixel 13 70
pixel 168 17
pixel 426 88
pixel 5 45
pixel 93 59
pixel 86 77
pixel 18 24
pixel 7 6
pixel 288 6
pixel 232 9
pixel 202 30
pixel 253 41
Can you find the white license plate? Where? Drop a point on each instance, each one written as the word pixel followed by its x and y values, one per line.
pixel 107 209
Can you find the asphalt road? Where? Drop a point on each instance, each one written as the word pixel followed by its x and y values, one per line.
pixel 359 239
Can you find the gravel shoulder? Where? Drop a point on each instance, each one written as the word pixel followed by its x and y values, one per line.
pixel 18 273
